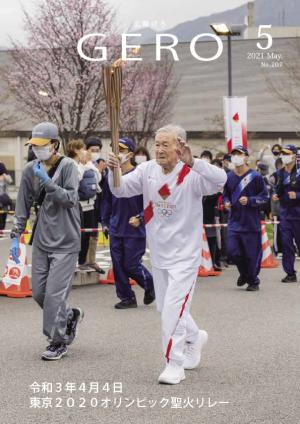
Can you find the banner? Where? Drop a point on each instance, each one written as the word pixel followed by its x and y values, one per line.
pixel 235 116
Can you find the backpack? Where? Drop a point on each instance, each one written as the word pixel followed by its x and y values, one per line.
pixel 88 185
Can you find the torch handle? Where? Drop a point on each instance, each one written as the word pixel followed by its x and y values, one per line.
pixel 116 176
pixel 115 142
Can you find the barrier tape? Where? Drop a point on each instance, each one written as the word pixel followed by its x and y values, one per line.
pixel 93 230
pixel 7 212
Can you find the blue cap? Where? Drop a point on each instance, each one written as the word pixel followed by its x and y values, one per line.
pixel 240 149
pixel 93 141
pixel 127 143
pixel 289 148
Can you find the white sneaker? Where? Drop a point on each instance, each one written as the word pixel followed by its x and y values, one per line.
pixel 193 351
pixel 172 374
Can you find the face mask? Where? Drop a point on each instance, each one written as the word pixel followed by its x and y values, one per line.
pixel 206 159
pixel 276 153
pixel 140 159
pixel 95 156
pixel 123 157
pixel 286 159
pixel 237 160
pixel 42 153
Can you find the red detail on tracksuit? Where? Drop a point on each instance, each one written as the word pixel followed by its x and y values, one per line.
pixel 183 306
pixel 183 173
pixel 164 191
pixel 180 315
pixel 169 350
pixel 148 213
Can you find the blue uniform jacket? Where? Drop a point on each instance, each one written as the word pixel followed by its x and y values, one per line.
pixel 245 218
pixel 116 213
pixel 289 208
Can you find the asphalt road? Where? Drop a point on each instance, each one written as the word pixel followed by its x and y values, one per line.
pixel 251 362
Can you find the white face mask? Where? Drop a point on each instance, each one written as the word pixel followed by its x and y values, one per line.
pixel 43 152
pixel 123 157
pixel 206 159
pixel 95 156
pixel 237 160
pixel 140 159
pixel 286 159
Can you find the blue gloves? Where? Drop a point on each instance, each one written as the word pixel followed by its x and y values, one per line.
pixel 39 171
pixel 14 249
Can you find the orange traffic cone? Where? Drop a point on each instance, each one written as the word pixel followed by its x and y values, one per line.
pixel 110 278
pixel 268 260
pixel 15 282
pixel 206 268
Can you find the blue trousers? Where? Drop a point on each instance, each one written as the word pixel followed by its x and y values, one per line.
pixel 245 251
pixel 290 232
pixel 126 254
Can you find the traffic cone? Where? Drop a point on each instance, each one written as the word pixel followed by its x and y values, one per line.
pixel 110 279
pixel 268 260
pixel 15 282
pixel 206 268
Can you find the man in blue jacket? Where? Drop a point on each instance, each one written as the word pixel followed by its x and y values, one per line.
pixel 287 191
pixel 123 217
pixel 244 193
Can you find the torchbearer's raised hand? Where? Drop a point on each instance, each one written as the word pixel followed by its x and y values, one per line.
pixel 184 152
pixel 113 162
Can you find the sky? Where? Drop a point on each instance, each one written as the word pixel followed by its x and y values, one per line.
pixel 158 14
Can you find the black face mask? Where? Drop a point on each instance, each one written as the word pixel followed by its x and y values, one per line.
pixel 276 153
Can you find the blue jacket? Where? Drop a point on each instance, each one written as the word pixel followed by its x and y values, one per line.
pixel 289 208
pixel 116 213
pixel 245 218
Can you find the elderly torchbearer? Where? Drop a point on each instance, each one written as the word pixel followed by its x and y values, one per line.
pixel 172 186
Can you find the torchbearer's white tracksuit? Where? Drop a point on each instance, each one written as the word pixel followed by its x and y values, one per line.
pixel 174 219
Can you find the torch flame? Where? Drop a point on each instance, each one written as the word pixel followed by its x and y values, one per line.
pixel 120 62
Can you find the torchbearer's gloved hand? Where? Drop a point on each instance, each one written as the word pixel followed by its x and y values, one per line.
pixel 14 249
pixel 39 171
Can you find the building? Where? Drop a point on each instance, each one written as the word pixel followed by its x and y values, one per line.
pixel 199 100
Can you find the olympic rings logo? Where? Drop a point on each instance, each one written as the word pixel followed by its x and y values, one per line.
pixel 164 212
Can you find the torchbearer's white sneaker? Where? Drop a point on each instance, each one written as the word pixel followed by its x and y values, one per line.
pixel 172 374
pixel 193 351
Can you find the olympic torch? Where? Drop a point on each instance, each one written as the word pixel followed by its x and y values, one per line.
pixel 112 82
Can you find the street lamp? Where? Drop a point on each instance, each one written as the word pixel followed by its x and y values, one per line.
pixel 229 31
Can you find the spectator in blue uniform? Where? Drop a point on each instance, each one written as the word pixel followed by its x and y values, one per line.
pixel 287 192
pixel 123 219
pixel 244 194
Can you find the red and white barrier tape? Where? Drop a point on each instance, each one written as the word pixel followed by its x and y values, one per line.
pixel 93 230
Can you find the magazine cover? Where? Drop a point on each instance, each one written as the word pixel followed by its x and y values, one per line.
pixel 149 211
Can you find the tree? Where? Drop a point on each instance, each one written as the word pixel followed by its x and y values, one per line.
pixel 52 82
pixel 285 83
pixel 149 92
pixel 7 118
